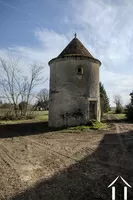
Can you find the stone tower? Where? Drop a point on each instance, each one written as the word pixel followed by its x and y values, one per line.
pixel 74 87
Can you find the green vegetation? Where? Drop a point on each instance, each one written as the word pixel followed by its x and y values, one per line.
pixel 121 116
pixel 111 112
pixel 104 100
pixel 95 125
pixel 129 112
pixel 41 116
pixel 118 102
pixel 38 116
pixel 116 115
pixel 119 109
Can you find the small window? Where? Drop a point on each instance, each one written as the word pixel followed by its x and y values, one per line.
pixel 80 70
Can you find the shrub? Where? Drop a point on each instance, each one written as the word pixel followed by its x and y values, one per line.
pixel 23 106
pixel 119 109
pixel 9 115
pixel 96 125
pixel 30 115
pixel 129 112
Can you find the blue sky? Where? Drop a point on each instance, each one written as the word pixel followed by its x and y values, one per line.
pixel 40 29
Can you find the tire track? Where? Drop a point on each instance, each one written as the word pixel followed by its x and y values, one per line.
pixel 121 128
pixel 122 144
pixel 49 148
pixel 7 158
pixel 56 153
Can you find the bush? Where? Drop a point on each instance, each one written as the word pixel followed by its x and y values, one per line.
pixel 9 115
pixel 23 106
pixel 30 115
pixel 119 109
pixel 129 112
pixel 96 125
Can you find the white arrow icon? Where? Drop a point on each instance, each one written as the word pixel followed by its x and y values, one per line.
pixel 125 188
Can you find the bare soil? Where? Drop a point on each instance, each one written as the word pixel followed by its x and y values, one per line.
pixel 36 164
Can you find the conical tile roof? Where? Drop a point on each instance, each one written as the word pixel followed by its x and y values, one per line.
pixel 75 48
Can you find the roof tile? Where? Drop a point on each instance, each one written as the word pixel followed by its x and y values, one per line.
pixel 75 47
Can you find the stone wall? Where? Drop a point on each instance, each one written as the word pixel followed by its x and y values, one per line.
pixel 70 92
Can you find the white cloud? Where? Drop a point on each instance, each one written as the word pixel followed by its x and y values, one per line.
pixel 105 28
pixel 110 27
pixel 50 45
pixel 117 84
pixel 51 40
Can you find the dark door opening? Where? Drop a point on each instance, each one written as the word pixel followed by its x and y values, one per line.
pixel 92 109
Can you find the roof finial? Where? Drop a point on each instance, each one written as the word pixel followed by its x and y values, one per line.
pixel 75 35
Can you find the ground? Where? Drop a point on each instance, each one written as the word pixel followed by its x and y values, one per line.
pixel 38 163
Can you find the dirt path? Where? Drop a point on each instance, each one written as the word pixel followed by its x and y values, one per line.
pixel 66 165
pixel 27 160
pixel 121 128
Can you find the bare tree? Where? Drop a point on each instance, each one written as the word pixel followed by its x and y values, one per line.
pixel 43 98
pixel 117 100
pixel 9 79
pixel 30 84
pixel 118 103
pixel 43 95
pixel 14 86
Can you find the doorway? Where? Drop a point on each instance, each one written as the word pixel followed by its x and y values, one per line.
pixel 92 110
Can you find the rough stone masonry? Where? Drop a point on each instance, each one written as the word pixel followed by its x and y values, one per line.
pixel 74 87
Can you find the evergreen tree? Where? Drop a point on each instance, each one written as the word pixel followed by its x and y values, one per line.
pixel 104 100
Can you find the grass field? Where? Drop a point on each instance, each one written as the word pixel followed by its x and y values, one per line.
pixel 120 116
pixel 39 116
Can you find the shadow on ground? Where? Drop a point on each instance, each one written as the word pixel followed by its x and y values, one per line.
pixel 24 129
pixel 88 178
pixel 16 130
pixel 114 120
